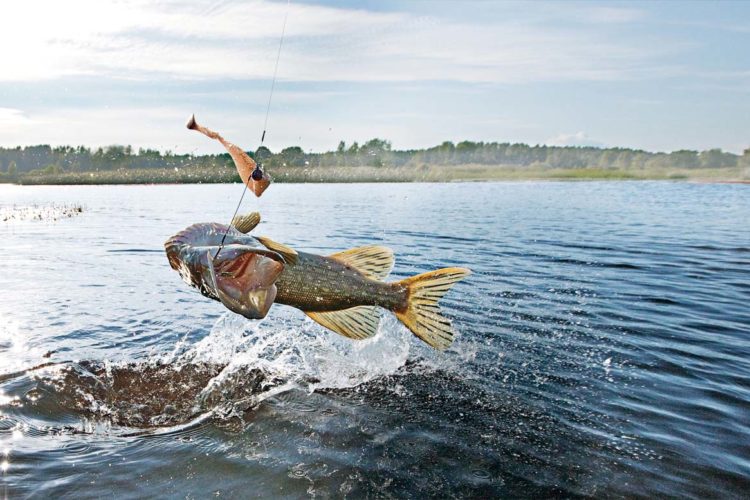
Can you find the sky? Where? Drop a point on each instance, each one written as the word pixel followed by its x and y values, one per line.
pixel 646 75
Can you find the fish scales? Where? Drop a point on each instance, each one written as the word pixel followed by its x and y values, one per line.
pixel 317 283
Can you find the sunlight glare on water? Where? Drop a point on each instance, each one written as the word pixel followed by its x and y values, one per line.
pixel 15 351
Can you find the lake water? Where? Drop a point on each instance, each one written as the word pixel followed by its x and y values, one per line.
pixel 603 347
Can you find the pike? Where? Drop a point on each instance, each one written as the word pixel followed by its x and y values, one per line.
pixel 343 292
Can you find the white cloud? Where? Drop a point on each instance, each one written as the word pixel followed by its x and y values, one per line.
pixel 142 39
pixel 98 127
pixel 576 139
pixel 164 128
pixel 11 117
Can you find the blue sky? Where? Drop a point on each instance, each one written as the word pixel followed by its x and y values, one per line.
pixel 649 75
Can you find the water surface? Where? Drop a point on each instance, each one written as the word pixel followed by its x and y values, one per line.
pixel 602 347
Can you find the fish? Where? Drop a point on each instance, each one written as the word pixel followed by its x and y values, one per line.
pixel 343 292
pixel 256 179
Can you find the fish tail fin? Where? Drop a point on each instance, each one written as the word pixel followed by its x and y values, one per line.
pixel 422 314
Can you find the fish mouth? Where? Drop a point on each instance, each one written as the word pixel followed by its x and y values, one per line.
pixel 244 279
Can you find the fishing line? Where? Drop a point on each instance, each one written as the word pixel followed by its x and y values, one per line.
pixel 257 176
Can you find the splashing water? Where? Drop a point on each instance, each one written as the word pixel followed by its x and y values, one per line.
pixel 230 371
pixel 301 352
pixel 291 354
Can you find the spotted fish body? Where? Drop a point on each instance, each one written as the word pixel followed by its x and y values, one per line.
pixel 317 283
pixel 343 292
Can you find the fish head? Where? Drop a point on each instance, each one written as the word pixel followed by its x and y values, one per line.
pixel 244 279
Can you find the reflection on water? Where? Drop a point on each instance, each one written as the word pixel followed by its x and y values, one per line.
pixel 14 348
pixel 601 348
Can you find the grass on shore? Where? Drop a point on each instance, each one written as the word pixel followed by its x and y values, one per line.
pixel 434 173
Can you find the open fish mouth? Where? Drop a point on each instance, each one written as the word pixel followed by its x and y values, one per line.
pixel 245 278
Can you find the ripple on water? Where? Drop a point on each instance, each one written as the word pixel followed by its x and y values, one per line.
pixel 590 326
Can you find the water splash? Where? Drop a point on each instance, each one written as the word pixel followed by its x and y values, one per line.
pixel 301 353
pixel 233 369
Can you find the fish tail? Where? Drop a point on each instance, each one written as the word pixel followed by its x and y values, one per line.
pixel 422 313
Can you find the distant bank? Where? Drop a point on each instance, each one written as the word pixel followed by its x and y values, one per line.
pixel 373 161
pixel 423 173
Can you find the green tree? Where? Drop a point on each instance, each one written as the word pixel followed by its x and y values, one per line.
pixel 376 146
pixel 52 168
pixel 445 152
pixel 683 158
pixel 376 151
pixel 12 169
pixel 745 158
pixel 262 154
pixel 717 158
pixel 293 156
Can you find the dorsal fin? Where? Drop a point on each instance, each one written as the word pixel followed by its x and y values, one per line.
pixel 355 323
pixel 373 261
pixel 246 223
pixel 290 254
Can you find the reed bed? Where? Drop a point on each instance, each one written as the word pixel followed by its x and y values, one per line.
pixel 50 212
pixel 423 173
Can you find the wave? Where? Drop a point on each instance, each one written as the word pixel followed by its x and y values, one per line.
pixel 234 368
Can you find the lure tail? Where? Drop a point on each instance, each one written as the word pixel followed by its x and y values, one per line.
pixel 249 172
pixel 422 314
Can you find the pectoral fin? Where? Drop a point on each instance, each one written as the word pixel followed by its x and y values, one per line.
pixel 356 323
pixel 375 262
pixel 290 255
pixel 246 223
pixel 244 279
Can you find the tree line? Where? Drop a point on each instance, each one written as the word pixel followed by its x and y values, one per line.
pixel 44 159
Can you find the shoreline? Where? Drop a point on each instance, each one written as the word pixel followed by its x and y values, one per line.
pixel 453 181
pixel 348 175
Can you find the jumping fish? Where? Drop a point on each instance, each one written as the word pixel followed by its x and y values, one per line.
pixel 342 292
